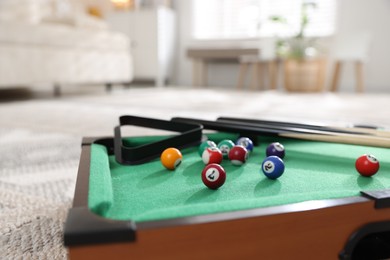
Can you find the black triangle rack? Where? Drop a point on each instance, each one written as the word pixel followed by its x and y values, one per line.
pixel 189 134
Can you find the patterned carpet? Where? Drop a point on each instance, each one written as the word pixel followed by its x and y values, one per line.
pixel 37 176
pixel 40 139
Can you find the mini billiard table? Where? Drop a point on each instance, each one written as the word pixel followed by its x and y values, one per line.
pixel 315 210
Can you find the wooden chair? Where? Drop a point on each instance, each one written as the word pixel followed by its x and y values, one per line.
pixel 351 48
pixel 265 63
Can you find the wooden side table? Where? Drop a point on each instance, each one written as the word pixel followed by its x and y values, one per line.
pixel 202 56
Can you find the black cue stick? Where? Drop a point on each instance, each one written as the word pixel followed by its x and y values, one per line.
pixel 289 132
pixel 347 130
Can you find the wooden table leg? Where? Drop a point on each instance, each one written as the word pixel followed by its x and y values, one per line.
pixel 359 77
pixel 260 74
pixel 241 75
pixel 273 68
pixel 321 75
pixel 199 73
pixel 203 73
pixel 336 77
pixel 195 72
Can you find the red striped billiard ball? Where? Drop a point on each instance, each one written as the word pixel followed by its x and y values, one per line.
pixel 367 165
pixel 213 176
pixel 212 155
pixel 238 155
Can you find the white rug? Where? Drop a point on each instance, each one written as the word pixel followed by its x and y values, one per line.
pixel 40 144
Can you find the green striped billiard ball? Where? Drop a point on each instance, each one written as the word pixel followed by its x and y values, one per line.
pixel 205 145
pixel 225 146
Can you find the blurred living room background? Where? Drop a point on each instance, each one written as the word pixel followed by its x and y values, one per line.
pixel 292 46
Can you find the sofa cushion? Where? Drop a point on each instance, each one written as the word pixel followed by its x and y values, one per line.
pixel 57 35
pixel 79 20
pixel 28 11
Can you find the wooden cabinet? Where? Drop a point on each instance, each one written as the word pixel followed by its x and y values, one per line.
pixel 152 34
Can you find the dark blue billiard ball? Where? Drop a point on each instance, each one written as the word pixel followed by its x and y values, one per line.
pixel 272 167
pixel 276 149
pixel 246 142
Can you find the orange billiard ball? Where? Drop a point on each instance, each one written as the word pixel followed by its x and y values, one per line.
pixel 171 158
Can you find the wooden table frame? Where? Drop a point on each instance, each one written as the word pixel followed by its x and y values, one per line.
pixel 323 229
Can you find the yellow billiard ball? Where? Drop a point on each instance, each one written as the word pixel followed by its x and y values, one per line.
pixel 171 158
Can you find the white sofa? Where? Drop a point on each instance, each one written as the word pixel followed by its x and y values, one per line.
pixel 54 50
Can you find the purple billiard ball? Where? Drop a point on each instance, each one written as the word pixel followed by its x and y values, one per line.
pixel 276 149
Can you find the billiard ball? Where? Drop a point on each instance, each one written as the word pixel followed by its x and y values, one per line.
pixel 238 155
pixel 212 155
pixel 213 176
pixel 204 145
pixel 225 146
pixel 272 167
pixel 171 158
pixel 276 149
pixel 246 142
pixel 367 165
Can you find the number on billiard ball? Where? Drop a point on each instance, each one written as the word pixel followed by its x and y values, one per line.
pixel 272 167
pixel 204 145
pixel 212 155
pixel 213 176
pixel 276 149
pixel 367 165
pixel 238 155
pixel 225 146
pixel 171 158
pixel 246 142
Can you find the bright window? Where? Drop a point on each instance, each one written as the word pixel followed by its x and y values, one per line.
pixel 240 19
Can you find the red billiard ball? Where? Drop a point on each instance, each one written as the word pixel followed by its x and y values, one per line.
pixel 367 165
pixel 213 176
pixel 212 155
pixel 171 158
pixel 238 155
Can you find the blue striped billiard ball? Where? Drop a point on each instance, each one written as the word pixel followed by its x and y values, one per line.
pixel 246 142
pixel 272 167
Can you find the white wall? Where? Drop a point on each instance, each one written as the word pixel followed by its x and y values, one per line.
pixel 373 17
pixel 353 16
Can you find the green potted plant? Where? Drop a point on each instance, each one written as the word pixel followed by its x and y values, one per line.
pixel 304 68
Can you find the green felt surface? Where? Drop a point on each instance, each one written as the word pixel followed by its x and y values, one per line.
pixel 314 171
